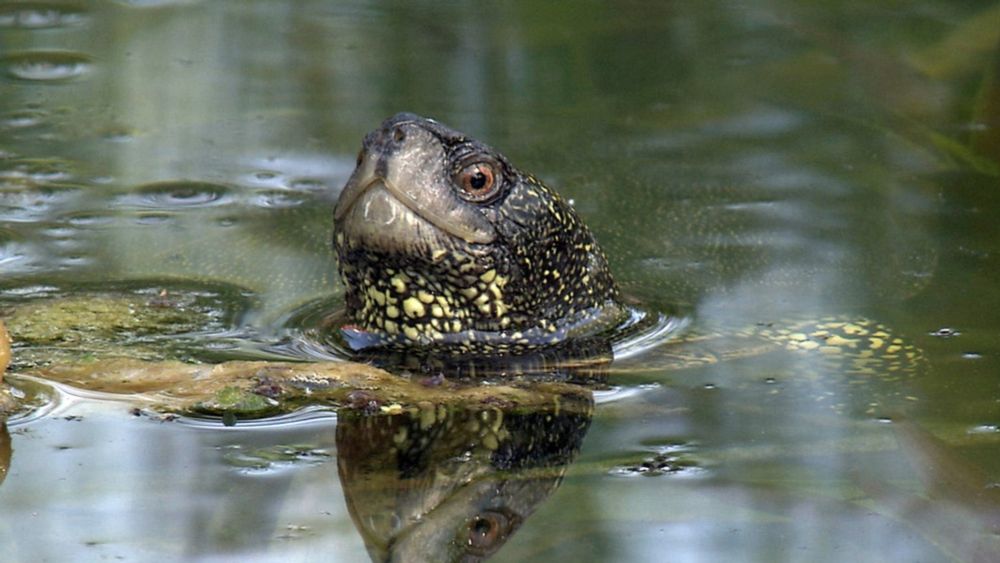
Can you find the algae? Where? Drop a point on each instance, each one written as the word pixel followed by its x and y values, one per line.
pixel 151 323
pixel 93 319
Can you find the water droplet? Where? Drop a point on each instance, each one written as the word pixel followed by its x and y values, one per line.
pixel 38 15
pixel 945 332
pixel 173 194
pixel 46 66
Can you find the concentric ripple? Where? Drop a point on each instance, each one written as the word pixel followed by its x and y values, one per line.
pixel 176 194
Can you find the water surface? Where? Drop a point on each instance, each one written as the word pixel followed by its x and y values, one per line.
pixel 745 164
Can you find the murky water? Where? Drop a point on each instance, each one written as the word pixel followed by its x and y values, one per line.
pixel 743 166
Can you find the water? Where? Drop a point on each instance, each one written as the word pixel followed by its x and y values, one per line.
pixel 743 165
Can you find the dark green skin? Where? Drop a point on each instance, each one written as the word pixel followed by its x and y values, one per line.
pixel 427 265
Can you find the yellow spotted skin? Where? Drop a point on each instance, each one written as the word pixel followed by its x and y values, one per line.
pixel 541 279
pixel 854 346
pixel 858 346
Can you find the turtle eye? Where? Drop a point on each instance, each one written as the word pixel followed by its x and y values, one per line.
pixel 487 531
pixel 477 181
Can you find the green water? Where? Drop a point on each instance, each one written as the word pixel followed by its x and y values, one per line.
pixel 742 163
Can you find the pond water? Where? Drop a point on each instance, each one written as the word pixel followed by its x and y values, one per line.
pixel 755 165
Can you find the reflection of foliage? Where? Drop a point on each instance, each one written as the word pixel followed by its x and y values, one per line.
pixel 925 87
pixel 986 132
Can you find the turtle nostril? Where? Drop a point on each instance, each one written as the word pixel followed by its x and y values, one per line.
pixel 398 135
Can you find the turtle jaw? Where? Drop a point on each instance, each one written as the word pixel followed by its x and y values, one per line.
pixel 406 164
pixel 377 220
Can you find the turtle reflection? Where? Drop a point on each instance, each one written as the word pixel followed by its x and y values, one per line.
pixel 454 482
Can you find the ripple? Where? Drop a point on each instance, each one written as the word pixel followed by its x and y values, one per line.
pixel 46 66
pixel 87 219
pixel 278 199
pixel 29 291
pixel 267 178
pixel 274 458
pixel 306 416
pixel 645 331
pixel 307 185
pixel 39 15
pixel 30 205
pixel 668 462
pixel 117 133
pixel 154 3
pixel 945 332
pixel 614 394
pixel 10 254
pixel 40 396
pixel 23 119
pixel 38 170
pixel 176 194
pixel 153 219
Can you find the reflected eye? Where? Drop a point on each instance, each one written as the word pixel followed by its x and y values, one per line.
pixel 478 181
